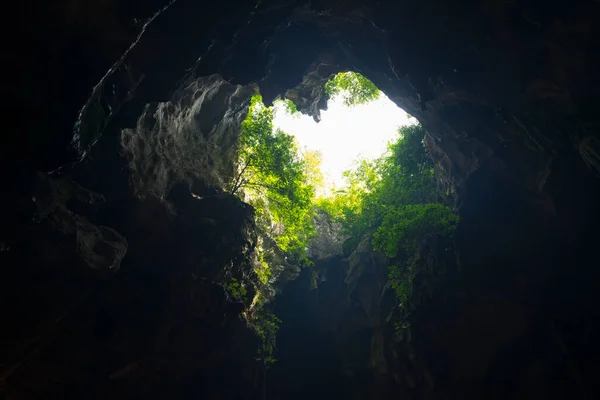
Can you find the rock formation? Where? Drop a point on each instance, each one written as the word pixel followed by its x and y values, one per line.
pixel 116 240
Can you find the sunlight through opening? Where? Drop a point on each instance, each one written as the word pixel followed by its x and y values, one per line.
pixel 345 133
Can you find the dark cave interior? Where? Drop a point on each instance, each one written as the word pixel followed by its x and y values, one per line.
pixel 507 92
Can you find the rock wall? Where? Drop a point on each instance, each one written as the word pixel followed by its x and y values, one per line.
pixel 193 137
pixel 163 324
pixel 508 92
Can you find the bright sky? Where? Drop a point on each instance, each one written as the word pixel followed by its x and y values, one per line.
pixel 345 133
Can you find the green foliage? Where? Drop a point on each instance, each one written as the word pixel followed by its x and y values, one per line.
pixel 350 206
pixel 279 183
pixel 263 270
pixel 395 200
pixel 312 168
pixel 290 107
pixel 273 179
pixel 266 326
pixel 353 87
pixel 403 230
pixel 403 176
pixel 406 227
pixel 235 289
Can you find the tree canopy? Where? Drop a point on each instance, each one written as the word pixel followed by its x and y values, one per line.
pixel 353 87
pixel 394 199
pixel 279 182
pixel 273 178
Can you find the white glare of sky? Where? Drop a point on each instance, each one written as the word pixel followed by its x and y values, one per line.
pixel 345 133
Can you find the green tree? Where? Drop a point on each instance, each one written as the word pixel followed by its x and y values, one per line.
pixel 349 205
pixel 290 107
pixel 312 168
pixel 403 230
pixel 279 183
pixel 266 326
pixel 353 87
pixel 395 200
pixel 272 177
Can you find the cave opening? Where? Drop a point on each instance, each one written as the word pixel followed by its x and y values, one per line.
pixel 125 261
pixel 344 132
pixel 342 256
